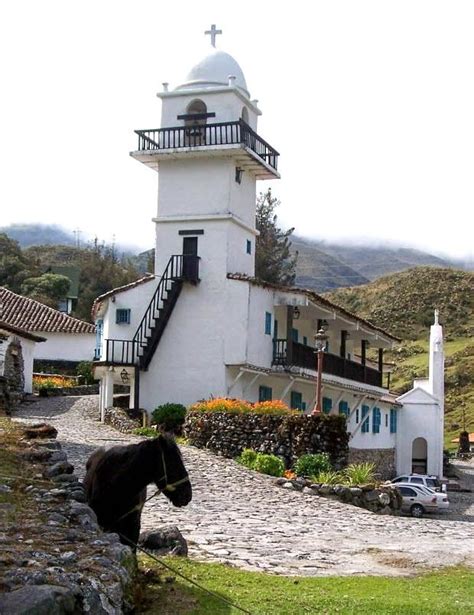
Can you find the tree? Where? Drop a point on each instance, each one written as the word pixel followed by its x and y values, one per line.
pixel 274 262
pixel 15 266
pixel 48 288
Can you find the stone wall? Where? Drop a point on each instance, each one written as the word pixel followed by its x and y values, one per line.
pixel 381 499
pixel 384 459
pixel 54 558
pixel 83 389
pixel 288 436
pixel 122 420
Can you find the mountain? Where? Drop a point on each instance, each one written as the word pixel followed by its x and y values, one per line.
pixel 38 234
pixel 323 266
pixel 403 303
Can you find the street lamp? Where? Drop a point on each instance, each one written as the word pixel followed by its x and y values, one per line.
pixel 320 340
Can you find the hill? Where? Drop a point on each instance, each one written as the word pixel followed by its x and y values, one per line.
pixel 38 235
pixel 323 266
pixel 404 303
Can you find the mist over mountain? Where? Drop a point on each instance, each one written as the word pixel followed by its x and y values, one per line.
pixel 325 265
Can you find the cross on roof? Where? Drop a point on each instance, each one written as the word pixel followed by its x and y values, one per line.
pixel 213 32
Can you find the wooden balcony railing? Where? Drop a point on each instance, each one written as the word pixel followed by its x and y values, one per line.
pixel 305 356
pixel 223 133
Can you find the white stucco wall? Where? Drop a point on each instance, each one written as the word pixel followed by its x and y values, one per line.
pixel 227 105
pixel 420 418
pixel 66 346
pixel 135 299
pixel 27 351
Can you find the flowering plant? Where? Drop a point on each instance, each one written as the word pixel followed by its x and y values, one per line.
pixel 240 406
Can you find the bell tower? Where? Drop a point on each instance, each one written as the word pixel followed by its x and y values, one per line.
pixel 208 156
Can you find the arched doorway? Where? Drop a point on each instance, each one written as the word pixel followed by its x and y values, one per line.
pixel 196 123
pixel 419 456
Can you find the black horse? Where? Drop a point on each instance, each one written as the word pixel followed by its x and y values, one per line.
pixel 116 481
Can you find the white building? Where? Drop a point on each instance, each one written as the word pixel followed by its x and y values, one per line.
pixel 67 338
pixel 205 326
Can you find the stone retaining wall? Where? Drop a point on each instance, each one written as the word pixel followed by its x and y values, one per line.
pixel 83 389
pixel 288 436
pixel 122 420
pixel 53 556
pixel 382 499
pixel 384 459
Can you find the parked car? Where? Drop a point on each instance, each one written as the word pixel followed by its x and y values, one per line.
pixel 418 499
pixel 441 497
pixel 419 479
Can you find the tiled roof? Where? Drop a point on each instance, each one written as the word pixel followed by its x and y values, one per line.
pixel 313 297
pixel 119 289
pixel 32 316
pixel 4 326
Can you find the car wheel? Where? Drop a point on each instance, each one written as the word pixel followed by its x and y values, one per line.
pixel 417 511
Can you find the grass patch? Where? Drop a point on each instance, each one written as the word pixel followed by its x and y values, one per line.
pixel 450 590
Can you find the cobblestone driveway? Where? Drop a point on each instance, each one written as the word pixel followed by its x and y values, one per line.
pixel 242 518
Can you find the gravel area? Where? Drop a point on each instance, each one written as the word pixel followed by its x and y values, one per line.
pixel 240 517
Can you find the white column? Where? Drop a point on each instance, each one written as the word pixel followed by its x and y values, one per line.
pixel 436 388
pixel 108 393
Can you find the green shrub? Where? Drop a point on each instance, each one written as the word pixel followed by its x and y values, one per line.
pixel 359 473
pixel 84 369
pixel 169 417
pixel 149 432
pixel 247 458
pixel 269 464
pixel 310 465
pixel 329 477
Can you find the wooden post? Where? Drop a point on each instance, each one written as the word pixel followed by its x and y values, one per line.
pixel 381 360
pixel 343 344
pixel 289 334
pixel 320 358
pixel 363 352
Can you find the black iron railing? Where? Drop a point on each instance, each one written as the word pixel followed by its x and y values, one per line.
pixel 120 352
pixel 180 267
pixel 223 133
pixel 305 356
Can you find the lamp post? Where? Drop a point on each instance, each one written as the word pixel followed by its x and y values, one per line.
pixel 320 344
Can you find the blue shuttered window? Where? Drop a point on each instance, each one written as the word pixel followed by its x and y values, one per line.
pixel 357 415
pixel 264 393
pixel 344 408
pixel 294 335
pixel 122 316
pixel 365 419
pixel 305 340
pixel 249 246
pixel 99 332
pixel 296 400
pixel 393 420
pixel 268 323
pixel 376 420
pixel 327 405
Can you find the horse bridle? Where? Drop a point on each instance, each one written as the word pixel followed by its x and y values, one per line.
pixel 170 487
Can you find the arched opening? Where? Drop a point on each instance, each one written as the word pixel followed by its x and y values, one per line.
pixel 195 123
pixel 419 456
pixel 245 115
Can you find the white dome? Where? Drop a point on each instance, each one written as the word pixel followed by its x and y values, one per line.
pixel 214 70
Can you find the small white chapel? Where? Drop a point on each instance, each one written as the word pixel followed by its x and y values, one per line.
pixel 203 326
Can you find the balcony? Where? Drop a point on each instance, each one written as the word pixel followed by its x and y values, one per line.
pixel 206 138
pixel 305 356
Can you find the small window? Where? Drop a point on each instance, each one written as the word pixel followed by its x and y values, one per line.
pixel 393 420
pixel 365 419
pixel 264 393
pixel 407 492
pixel 296 400
pixel 327 405
pixel 268 323
pixel 417 481
pixel 386 419
pixel 275 329
pixel 249 246
pixel 294 335
pixel 122 316
pixel 344 408
pixel 357 415
pixel 376 416
pixel 305 340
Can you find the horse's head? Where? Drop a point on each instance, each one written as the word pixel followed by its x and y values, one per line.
pixel 172 477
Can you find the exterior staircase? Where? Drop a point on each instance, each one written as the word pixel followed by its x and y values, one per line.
pixel 139 350
pixel 180 268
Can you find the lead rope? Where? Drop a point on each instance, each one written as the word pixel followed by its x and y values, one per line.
pixel 191 581
pixel 167 487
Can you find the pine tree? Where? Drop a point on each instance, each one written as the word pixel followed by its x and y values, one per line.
pixel 274 262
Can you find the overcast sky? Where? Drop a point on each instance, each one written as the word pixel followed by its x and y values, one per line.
pixel 370 103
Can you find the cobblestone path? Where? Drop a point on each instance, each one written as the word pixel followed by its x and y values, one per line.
pixel 242 518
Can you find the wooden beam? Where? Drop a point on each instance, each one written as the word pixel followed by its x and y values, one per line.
pixel 367 418
pixel 234 382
